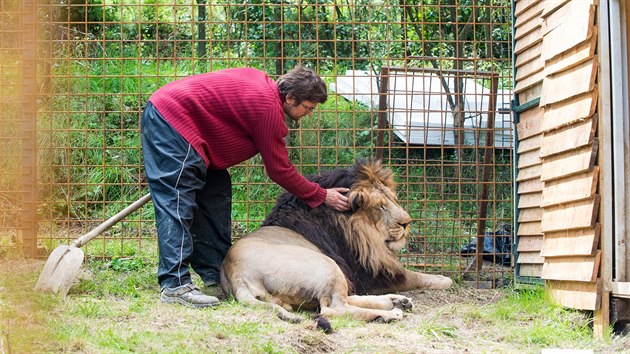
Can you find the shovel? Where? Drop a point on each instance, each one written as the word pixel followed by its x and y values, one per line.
pixel 63 264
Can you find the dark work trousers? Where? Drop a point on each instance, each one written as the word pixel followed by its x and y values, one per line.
pixel 192 204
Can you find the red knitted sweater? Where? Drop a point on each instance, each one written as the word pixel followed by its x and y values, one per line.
pixel 228 116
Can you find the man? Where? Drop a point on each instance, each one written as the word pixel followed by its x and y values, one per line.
pixel 193 129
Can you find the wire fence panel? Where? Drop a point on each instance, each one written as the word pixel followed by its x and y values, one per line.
pixel 424 85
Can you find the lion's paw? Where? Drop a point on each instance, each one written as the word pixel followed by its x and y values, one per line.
pixel 403 303
pixel 393 315
pixel 397 314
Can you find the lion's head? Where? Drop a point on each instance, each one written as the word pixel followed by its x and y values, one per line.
pixel 362 241
pixel 379 226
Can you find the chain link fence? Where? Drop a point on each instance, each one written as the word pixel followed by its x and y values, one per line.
pixel 423 85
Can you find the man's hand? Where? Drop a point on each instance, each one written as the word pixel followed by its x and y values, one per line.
pixel 336 200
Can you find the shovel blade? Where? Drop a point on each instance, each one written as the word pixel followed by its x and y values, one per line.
pixel 60 270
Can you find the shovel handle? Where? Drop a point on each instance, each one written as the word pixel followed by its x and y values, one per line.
pixel 111 221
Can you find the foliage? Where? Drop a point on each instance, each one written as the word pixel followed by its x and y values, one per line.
pixel 106 64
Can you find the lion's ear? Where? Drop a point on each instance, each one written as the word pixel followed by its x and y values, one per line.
pixel 356 200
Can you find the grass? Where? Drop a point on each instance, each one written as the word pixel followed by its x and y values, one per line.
pixel 115 309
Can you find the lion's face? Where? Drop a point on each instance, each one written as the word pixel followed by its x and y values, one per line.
pixel 379 226
pixel 379 205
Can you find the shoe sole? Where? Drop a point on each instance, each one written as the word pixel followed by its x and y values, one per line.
pixel 176 300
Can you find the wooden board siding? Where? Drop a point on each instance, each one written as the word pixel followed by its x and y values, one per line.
pixel 569 112
pixel 574 268
pixel 569 83
pixel 577 295
pixel 570 189
pixel 580 242
pixel 571 162
pixel 529 75
pixel 573 57
pixel 578 20
pixel 557 174
pixel 580 134
pixel 528 144
pixel 529 123
pixel 576 215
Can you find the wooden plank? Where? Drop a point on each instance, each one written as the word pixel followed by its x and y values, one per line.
pixel 529 244
pixel 576 295
pixel 529 81
pixel 528 173
pixel 528 41
pixel 572 268
pixel 582 242
pixel 576 215
pixel 621 289
pixel 569 137
pixel 530 270
pixel 530 93
pixel 551 6
pixel 529 158
pixel 532 53
pixel 530 258
pixel 529 200
pixel 568 112
pixel 569 83
pixel 601 316
pixel 570 189
pixel 526 27
pixel 530 186
pixel 530 214
pixel 555 18
pixel 578 21
pixel 528 69
pixel 573 57
pixel 568 163
pixel 528 13
pixel 530 143
pixel 529 122
pixel 522 5
pixel 529 228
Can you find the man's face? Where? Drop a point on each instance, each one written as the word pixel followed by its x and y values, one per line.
pixel 298 110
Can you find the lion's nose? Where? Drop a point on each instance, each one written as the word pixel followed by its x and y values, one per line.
pixel 404 225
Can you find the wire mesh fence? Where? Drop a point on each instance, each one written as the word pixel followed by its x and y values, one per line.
pixel 424 85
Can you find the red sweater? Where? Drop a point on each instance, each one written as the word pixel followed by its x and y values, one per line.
pixel 228 116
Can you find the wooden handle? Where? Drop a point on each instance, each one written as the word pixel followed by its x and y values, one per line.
pixel 112 221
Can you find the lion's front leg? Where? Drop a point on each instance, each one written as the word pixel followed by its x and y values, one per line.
pixel 417 280
pixel 381 302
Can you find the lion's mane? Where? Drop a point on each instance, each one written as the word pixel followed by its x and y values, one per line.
pixel 368 265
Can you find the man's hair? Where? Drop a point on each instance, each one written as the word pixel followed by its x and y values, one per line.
pixel 302 84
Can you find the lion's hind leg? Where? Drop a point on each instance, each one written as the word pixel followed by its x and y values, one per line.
pixel 243 294
pixel 381 302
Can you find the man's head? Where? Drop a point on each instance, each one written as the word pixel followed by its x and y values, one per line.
pixel 301 90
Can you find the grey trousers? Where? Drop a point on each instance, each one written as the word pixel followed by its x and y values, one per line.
pixel 192 204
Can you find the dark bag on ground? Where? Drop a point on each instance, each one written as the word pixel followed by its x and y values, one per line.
pixel 497 246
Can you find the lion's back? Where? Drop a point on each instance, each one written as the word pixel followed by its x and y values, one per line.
pixel 278 235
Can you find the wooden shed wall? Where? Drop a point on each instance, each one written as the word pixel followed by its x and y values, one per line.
pixel 556 69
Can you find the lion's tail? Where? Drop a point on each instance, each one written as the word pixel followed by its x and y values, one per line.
pixel 322 323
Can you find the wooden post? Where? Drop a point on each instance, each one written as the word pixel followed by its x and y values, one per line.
pixel 382 112
pixel 487 161
pixel 28 216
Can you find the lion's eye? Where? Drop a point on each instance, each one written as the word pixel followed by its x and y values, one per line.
pixel 382 207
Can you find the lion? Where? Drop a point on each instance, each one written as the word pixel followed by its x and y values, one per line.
pixel 344 263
